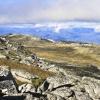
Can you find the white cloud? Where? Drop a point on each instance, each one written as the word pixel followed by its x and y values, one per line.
pixel 49 10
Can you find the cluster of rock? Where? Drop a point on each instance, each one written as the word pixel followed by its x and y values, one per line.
pixel 58 87
pixel 16 51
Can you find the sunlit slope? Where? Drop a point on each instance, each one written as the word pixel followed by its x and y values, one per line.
pixel 70 53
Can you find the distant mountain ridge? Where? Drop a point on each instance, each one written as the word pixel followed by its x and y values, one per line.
pixel 71 31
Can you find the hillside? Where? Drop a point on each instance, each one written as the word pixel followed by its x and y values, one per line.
pixel 48 69
pixel 61 52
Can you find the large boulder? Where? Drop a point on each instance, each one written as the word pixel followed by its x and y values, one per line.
pixel 27 88
pixel 30 60
pixel 23 75
pixel 64 92
pixel 51 96
pixel 42 88
pixel 27 60
pixel 7 82
pixel 82 96
pixel 61 80
pixel 92 86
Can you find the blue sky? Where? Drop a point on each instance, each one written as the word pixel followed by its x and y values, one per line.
pixel 29 11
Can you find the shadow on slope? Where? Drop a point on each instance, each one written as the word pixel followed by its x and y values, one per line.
pixel 88 71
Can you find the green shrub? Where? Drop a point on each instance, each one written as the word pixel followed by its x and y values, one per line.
pixel 37 82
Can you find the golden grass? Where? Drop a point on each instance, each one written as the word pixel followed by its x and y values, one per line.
pixel 69 54
pixel 31 69
pixel 37 82
pixel 62 52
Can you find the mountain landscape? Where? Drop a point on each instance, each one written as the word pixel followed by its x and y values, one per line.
pixel 33 67
pixel 49 49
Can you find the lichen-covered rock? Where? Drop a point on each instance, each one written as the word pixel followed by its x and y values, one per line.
pixel 43 87
pixel 51 96
pixel 92 86
pixel 23 75
pixel 60 80
pixel 64 92
pixel 7 82
pixel 26 88
pixel 82 96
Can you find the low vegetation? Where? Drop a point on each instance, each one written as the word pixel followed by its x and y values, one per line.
pixel 72 53
pixel 69 54
pixel 37 82
pixel 31 69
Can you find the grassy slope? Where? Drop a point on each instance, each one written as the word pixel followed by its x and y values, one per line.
pixel 58 53
pixel 31 69
pixel 62 52
pixel 69 54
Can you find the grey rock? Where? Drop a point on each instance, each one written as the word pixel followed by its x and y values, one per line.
pixel 53 68
pixel 72 98
pixel 51 96
pixel 2 56
pixel 59 80
pixel 51 86
pixel 92 86
pixel 23 75
pixel 30 59
pixel 64 92
pixel 7 82
pixel 3 40
pixel 27 88
pixel 82 96
pixel 29 97
pixel 23 96
pixel 43 87
pixel 27 60
pixel 9 86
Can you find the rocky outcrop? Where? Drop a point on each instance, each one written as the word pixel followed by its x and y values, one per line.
pixel 92 87
pixel 7 82
pixel 58 87
pixel 29 60
pixel 27 88
pixel 22 75
pixel 71 89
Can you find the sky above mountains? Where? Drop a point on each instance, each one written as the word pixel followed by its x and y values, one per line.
pixel 29 11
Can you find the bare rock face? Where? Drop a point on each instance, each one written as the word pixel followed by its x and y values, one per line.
pixel 23 75
pixel 64 92
pixel 25 96
pixel 7 82
pixel 92 86
pixel 27 88
pixel 51 96
pixel 61 80
pixel 82 96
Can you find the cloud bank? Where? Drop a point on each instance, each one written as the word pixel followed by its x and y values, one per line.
pixel 29 11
